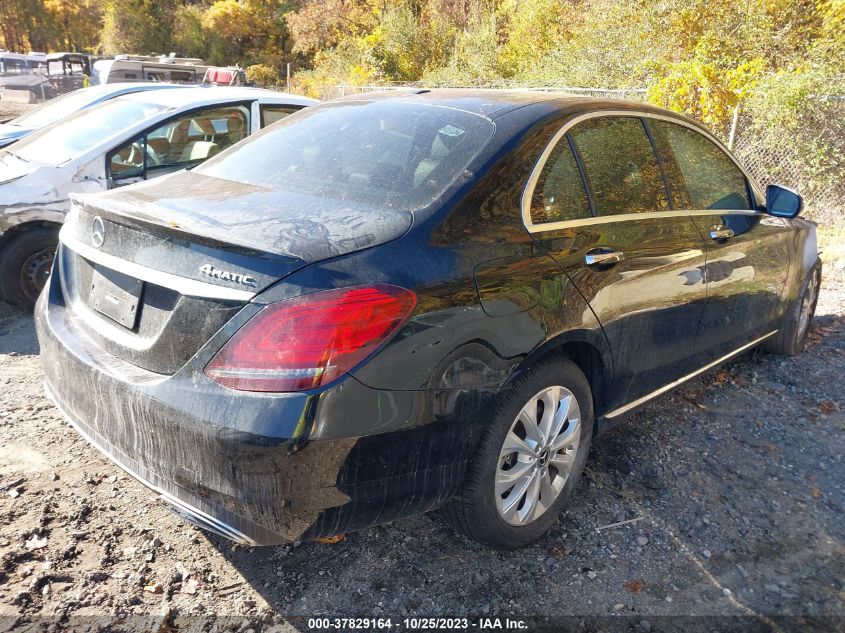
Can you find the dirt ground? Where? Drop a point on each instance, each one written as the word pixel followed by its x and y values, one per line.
pixel 734 483
pixel 10 109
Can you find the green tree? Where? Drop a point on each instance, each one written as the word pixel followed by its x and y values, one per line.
pixel 137 26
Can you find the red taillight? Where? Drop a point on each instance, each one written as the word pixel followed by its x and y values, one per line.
pixel 308 341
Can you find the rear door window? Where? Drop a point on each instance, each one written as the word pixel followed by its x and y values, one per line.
pixel 620 165
pixel 705 177
pixel 559 194
pixel 271 113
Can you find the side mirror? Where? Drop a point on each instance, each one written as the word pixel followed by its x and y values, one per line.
pixel 783 202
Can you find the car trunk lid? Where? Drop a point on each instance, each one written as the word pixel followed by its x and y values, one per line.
pixel 151 272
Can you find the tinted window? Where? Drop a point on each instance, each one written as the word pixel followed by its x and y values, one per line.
pixel 395 155
pixel 706 177
pixel 620 165
pixel 271 114
pixel 559 194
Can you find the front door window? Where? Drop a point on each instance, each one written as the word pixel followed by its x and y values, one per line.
pixel 181 142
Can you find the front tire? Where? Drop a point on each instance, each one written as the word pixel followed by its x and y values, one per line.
pixel 798 320
pixel 25 263
pixel 529 460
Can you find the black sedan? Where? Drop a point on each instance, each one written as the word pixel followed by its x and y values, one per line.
pixel 416 300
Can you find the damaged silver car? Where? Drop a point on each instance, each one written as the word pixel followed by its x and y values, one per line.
pixel 125 140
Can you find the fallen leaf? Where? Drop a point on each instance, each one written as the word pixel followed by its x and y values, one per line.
pixel 635 586
pixel 331 540
pixel 558 552
pixel 816 492
pixel 720 377
pixel 826 406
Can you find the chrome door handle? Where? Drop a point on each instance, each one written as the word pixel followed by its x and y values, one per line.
pixel 603 257
pixel 720 232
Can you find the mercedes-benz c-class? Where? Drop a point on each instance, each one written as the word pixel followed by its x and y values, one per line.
pixel 413 300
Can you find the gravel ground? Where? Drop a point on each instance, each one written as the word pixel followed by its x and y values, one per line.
pixel 734 484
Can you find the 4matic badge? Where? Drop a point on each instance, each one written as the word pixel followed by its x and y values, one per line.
pixel 225 275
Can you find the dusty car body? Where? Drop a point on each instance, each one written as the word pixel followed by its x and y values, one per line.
pixel 124 140
pixel 67 104
pixel 431 305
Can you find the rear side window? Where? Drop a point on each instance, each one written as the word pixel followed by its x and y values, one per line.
pixel 705 178
pixel 620 165
pixel 559 194
pixel 270 114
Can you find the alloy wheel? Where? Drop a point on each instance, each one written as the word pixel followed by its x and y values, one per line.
pixel 807 305
pixel 538 455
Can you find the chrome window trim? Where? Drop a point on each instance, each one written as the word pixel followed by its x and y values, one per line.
pixel 531 184
pixel 182 285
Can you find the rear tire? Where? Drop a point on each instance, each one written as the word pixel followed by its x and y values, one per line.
pixel 798 320
pixel 491 507
pixel 25 263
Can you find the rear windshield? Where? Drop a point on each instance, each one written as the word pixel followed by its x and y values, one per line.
pixel 394 155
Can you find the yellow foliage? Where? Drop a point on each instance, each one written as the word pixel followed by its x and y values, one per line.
pixel 228 19
pixel 263 75
pixel 703 90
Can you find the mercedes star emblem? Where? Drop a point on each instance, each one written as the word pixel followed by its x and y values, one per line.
pixel 98 232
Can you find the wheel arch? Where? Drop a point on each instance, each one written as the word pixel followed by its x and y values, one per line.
pixel 590 353
pixel 18 229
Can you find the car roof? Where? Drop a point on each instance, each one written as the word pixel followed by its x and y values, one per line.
pixel 494 103
pixel 207 95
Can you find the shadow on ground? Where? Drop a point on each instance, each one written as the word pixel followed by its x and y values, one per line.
pixel 17 332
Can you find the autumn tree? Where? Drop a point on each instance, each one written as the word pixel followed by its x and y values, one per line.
pixel 137 26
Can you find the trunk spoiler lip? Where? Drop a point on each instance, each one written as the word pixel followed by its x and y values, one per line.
pixel 171 231
pixel 182 285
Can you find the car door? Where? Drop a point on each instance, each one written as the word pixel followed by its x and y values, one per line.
pixel 598 203
pixel 182 141
pixel 747 256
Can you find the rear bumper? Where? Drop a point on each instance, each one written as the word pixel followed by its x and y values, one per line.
pixel 192 513
pixel 257 468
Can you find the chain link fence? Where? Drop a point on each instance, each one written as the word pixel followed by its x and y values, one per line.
pixel 772 157
pixel 766 159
